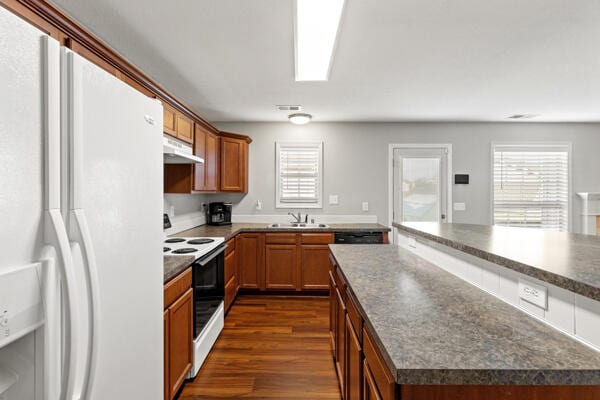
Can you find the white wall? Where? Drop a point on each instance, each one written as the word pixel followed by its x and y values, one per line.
pixel 356 161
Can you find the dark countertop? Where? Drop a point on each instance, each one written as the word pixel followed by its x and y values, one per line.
pixel 174 265
pixel 434 328
pixel 568 260
pixel 229 231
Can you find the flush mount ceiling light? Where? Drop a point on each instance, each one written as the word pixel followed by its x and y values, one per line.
pixel 316 27
pixel 299 118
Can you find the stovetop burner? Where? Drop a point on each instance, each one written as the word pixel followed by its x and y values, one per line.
pixel 184 250
pixel 165 249
pixel 200 241
pixel 175 240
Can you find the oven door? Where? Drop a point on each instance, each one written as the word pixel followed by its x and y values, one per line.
pixel 209 288
pixel 208 274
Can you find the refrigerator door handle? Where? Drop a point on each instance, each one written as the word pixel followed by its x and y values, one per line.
pixel 55 230
pixel 78 220
pixel 83 237
pixel 71 359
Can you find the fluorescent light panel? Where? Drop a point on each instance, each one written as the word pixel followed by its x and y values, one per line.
pixel 317 23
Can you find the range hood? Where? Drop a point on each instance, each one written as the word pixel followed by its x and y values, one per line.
pixel 175 152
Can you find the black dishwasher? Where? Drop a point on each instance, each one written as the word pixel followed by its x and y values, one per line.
pixel 360 237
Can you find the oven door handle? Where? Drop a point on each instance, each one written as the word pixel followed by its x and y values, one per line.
pixel 203 261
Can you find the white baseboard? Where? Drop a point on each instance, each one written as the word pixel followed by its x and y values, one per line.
pixel 319 218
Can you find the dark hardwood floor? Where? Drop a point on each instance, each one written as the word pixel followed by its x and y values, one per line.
pixel 271 348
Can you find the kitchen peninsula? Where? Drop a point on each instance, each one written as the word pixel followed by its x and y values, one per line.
pixel 431 318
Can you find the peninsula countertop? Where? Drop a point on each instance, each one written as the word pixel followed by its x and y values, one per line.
pixel 229 231
pixel 434 328
pixel 568 260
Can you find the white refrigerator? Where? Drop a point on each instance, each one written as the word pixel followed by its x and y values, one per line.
pixel 81 270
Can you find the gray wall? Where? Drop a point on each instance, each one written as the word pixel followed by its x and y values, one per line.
pixel 356 161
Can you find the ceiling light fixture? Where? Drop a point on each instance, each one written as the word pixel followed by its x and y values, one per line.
pixel 316 26
pixel 300 118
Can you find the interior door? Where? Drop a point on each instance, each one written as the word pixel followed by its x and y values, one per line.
pixel 421 184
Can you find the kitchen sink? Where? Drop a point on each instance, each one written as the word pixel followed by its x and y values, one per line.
pixel 298 226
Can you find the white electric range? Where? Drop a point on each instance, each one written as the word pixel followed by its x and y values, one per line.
pixel 191 246
pixel 209 288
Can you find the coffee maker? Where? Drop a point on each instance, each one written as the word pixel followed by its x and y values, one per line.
pixel 219 213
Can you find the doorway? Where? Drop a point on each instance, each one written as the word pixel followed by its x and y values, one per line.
pixel 420 176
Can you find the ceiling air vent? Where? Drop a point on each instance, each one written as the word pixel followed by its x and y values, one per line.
pixel 288 108
pixel 523 116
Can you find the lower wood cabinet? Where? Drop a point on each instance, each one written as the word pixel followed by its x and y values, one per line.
pixel 314 267
pixel 250 253
pixel 281 267
pixel 340 339
pixel 354 361
pixel 370 391
pixel 178 330
pixel 231 274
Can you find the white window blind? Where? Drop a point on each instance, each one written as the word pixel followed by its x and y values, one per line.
pixel 531 186
pixel 299 175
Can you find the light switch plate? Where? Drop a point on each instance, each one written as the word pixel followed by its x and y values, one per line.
pixel 365 206
pixel 333 199
pixel 460 206
pixel 533 293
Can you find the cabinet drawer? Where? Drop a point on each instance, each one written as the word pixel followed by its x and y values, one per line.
pixel 354 315
pixel 177 287
pixel 280 238
pixel 380 373
pixel 339 280
pixel 317 238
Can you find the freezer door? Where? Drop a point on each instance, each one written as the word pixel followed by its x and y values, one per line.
pixel 33 239
pixel 115 208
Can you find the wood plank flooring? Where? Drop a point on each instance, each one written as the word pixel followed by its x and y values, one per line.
pixel 271 348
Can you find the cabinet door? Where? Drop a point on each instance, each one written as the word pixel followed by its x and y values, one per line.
pixel 340 345
pixel 370 391
pixel 230 290
pixel 249 249
pixel 169 120
pixel 315 267
pixel 230 265
pixel 200 151
pixel 332 314
pixel 185 128
pixel 181 319
pixel 234 165
pixel 211 163
pixel 353 363
pixel 166 339
pixel 280 266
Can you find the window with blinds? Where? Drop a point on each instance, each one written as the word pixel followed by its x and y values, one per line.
pixel 299 175
pixel 531 186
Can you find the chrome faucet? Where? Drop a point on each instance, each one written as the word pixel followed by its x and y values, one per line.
pixel 298 217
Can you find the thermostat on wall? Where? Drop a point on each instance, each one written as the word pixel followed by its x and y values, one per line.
pixel 461 179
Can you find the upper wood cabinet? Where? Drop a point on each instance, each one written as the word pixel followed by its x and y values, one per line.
pixel 234 164
pixel 169 120
pixel 225 167
pixel 185 128
pixel 177 124
pixel 206 146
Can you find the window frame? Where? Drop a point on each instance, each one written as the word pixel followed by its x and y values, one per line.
pixel 289 205
pixel 532 146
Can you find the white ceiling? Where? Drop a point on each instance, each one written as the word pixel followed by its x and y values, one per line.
pixel 396 60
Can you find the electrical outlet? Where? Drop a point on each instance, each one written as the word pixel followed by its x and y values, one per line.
pixel 258 205
pixel 365 206
pixel 460 206
pixel 333 199
pixel 412 242
pixel 533 293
